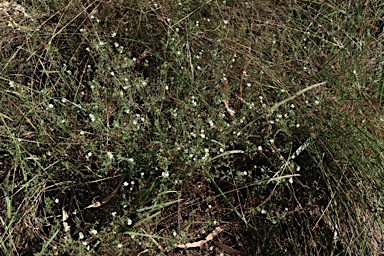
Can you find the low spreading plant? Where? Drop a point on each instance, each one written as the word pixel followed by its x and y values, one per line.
pixel 191 127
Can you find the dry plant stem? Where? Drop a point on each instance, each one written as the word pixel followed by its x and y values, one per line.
pixel 274 107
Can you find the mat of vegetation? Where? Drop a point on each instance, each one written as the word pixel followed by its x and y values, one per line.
pixel 191 127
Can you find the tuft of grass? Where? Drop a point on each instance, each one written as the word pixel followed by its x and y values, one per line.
pixel 173 118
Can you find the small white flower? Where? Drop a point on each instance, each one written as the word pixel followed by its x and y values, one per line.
pixel 291 180
pixel 263 211
pixel 113 34
pixel 113 213
pixel 292 105
pixel 249 84
pixel 125 183
pixel 129 222
pixel 50 106
pixel 165 174
pixel 112 73
pixel 260 148
pixel 226 22
pixel 94 231
pixel 85 243
pixel 221 150
pixel 82 132
pixel 297 125
pixel 11 83
pixel 110 155
pixel 245 173
pixel 81 235
pixel 119 245
pixel 63 100
pixel 174 233
pixel 57 200
pixel 317 102
pixel 132 182
pixel 92 117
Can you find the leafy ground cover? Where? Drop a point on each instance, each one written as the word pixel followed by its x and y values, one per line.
pixel 145 127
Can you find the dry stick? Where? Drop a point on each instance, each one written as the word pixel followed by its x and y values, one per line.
pixel 274 107
pixel 284 177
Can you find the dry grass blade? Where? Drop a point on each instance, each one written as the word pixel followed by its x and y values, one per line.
pixel 274 107
pixel 200 243
pixel 106 199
